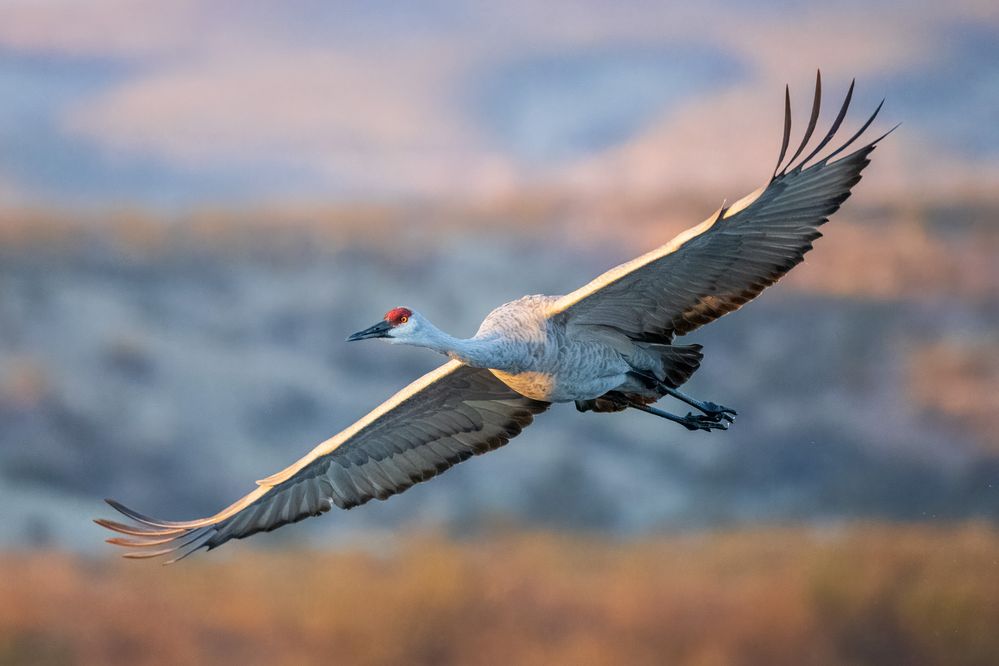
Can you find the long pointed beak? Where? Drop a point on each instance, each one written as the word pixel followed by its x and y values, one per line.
pixel 379 330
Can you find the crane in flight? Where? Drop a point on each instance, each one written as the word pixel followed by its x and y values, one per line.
pixel 608 346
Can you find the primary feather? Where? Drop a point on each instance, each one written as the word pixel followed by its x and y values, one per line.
pixel 727 260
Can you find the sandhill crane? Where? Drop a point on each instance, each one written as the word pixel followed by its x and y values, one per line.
pixel 607 346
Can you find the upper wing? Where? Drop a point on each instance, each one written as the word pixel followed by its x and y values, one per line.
pixel 717 266
pixel 439 420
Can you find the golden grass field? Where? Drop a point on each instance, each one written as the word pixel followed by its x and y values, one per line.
pixel 864 594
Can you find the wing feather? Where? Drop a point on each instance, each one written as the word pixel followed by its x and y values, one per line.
pixel 813 121
pixel 438 421
pixel 719 265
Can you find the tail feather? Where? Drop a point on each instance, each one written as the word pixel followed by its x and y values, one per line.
pixel 679 363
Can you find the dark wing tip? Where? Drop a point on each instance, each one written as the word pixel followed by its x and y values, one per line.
pixel 779 173
pixel 878 140
pixel 856 136
pixel 812 121
pixel 834 128
pixel 142 518
pixel 149 533
pixel 787 128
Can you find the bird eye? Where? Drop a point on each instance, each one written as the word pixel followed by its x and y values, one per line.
pixel 404 320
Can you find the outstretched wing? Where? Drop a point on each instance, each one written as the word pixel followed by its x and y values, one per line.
pixel 727 260
pixel 441 419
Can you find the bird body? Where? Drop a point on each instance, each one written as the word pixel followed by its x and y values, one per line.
pixel 543 358
pixel 546 357
pixel 608 346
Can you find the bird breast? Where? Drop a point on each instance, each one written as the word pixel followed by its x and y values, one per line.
pixel 544 360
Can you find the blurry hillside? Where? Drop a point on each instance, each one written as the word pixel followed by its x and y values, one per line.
pixel 170 363
pixel 200 200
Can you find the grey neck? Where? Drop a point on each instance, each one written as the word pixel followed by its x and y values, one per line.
pixel 487 352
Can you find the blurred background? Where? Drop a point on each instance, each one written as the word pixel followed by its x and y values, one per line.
pixel 200 200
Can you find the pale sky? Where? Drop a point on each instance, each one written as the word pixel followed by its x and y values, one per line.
pixel 187 103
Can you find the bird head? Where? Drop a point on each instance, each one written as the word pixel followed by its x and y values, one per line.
pixel 398 325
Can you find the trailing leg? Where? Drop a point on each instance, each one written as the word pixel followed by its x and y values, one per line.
pixel 710 409
pixel 690 421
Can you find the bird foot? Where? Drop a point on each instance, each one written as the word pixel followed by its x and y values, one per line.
pixel 718 412
pixel 704 422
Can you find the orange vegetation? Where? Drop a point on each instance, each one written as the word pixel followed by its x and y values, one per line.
pixel 861 594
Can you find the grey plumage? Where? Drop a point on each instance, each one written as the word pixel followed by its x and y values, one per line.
pixel 420 435
pixel 607 346
pixel 734 255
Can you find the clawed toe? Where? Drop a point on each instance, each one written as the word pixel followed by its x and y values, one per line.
pixel 717 412
pixel 702 422
pixel 712 408
pixel 713 413
pixel 717 420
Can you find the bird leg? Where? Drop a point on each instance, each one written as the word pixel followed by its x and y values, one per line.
pixel 690 421
pixel 710 409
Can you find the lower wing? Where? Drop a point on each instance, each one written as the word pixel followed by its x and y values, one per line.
pixel 441 419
